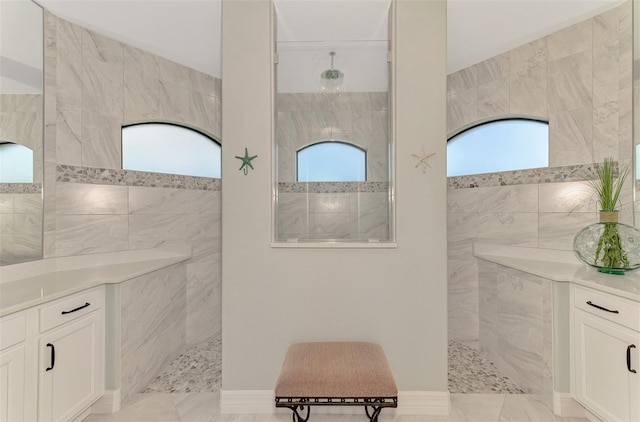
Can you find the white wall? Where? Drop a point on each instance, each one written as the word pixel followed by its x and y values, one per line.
pixel 274 297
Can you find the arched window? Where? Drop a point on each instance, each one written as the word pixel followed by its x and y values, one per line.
pixel 499 145
pixel 331 161
pixel 16 163
pixel 169 148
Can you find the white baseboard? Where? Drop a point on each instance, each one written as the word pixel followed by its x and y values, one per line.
pixel 263 401
pixel 565 405
pixel 108 403
pixel 423 403
pixel 82 415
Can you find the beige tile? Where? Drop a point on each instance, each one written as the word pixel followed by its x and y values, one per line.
pixel 462 80
pixel 566 197
pixel 77 198
pixel 515 228
pixel 462 109
pixel 518 198
pixel 197 407
pixel 149 407
pixel 528 91
pixel 531 55
pixel 570 82
pixel 571 135
pixel 605 131
pixel 574 39
pixel 493 69
pixel 152 200
pixel 493 99
pixel 173 102
pixel 101 141
pixel 141 85
pixel 83 234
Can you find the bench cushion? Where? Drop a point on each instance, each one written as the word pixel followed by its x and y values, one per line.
pixel 336 369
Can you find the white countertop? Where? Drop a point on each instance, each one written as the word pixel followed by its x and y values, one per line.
pixel 25 285
pixel 561 266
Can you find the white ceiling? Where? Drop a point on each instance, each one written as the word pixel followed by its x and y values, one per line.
pixel 188 31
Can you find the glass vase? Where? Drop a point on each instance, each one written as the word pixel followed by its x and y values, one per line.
pixel 609 246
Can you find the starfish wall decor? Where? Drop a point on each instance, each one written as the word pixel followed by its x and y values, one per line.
pixel 422 159
pixel 246 161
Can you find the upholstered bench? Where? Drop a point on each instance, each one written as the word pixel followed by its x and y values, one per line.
pixel 335 374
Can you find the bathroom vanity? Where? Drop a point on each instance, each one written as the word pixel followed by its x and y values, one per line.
pixel 55 317
pixel 605 364
pixel 64 340
pixel 591 329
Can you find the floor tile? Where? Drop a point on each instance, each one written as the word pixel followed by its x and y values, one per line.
pixel 158 407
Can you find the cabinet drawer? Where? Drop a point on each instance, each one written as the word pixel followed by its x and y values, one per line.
pixel 609 307
pixel 69 309
pixel 13 330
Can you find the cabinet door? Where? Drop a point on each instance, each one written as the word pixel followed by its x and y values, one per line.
pixel 71 368
pixel 12 380
pixel 603 382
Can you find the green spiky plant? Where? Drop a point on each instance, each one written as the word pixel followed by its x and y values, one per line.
pixel 607 187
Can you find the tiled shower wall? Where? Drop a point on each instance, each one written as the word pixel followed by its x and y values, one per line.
pixel 93 85
pixel 345 215
pixel 516 327
pixel 579 79
pixel 21 204
pixel 22 119
pixel 333 210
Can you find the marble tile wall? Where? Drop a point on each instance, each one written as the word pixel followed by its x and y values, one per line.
pixel 153 313
pixel 580 80
pixel 357 117
pixel 22 123
pixel 103 84
pixel 20 227
pixel 21 204
pixel 94 85
pixel 336 215
pixel 515 310
pixel 352 213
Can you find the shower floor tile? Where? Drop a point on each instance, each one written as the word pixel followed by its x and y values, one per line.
pixel 471 372
pixel 198 370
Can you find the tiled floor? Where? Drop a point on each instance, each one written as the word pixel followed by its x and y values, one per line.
pixel 198 370
pixel 183 394
pixel 471 372
pixel 203 407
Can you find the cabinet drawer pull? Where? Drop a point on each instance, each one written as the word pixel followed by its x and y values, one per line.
pixel 601 308
pixel 53 357
pixel 77 309
pixel 629 347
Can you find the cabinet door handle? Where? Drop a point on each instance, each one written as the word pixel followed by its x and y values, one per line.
pixel 77 309
pixel 601 308
pixel 53 357
pixel 629 347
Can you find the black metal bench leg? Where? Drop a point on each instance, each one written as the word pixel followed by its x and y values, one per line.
pixel 375 411
pixel 297 417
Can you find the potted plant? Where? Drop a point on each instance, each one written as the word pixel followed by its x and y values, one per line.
pixel 607 188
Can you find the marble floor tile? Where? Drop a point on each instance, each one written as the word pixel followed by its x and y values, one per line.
pixel 203 407
pixel 529 408
pixel 196 407
pixel 182 394
pixel 157 407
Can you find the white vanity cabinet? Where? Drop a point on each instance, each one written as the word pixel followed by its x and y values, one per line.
pixel 71 349
pixel 52 359
pixel 605 364
pixel 13 330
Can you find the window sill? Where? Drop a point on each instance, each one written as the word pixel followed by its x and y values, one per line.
pixel 335 245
